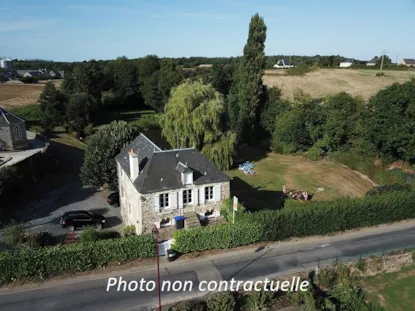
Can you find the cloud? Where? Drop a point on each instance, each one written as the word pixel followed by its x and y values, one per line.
pixel 24 25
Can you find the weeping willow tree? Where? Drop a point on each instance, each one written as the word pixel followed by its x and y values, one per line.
pixel 194 118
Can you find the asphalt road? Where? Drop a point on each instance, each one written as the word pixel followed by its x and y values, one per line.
pixel 90 293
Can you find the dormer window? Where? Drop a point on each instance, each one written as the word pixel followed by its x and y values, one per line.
pixel 186 173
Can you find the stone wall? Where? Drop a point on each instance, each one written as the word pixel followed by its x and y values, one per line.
pixel 9 139
pixel 130 201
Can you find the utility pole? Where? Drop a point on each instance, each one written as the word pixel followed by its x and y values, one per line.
pixel 381 62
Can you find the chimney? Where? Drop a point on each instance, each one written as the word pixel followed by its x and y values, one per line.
pixel 134 167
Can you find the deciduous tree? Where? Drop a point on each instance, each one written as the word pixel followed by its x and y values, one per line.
pixel 99 168
pixel 194 118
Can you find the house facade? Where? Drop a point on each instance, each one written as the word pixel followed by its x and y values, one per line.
pixel 347 63
pixel 12 131
pixel 283 63
pixel 373 61
pixel 156 185
pixel 407 62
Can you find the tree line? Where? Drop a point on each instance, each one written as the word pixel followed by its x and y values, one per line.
pixel 219 109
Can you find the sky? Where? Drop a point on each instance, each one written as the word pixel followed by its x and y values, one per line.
pixel 80 30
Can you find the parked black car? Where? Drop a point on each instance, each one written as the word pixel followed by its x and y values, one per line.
pixel 78 219
pixel 114 199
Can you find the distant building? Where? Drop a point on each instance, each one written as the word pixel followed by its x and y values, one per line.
pixel 12 131
pixel 373 61
pixel 283 63
pixel 6 63
pixel 346 63
pixel 205 65
pixel 407 62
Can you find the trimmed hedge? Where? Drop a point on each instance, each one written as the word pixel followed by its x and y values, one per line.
pixel 317 218
pixel 216 237
pixel 300 220
pixel 38 264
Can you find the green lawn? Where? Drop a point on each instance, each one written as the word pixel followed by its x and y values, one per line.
pixel 394 291
pixel 274 170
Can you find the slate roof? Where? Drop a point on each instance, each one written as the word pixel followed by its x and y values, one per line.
pixel 373 60
pixel 7 118
pixel 409 61
pixel 159 169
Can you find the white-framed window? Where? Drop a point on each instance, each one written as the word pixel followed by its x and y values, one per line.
pixel 164 201
pixel 208 193
pixel 187 197
pixel 18 133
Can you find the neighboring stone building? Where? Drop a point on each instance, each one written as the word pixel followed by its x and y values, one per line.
pixel 155 185
pixel 407 62
pixel 12 132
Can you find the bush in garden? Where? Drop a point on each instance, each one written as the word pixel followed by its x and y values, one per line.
pixel 89 234
pixel 258 300
pixel 221 302
pixel 14 234
pixel 226 210
pixel 128 230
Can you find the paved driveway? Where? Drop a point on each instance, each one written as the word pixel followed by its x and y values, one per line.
pixel 45 214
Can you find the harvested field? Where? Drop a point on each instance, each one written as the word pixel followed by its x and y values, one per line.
pixel 18 95
pixel 328 81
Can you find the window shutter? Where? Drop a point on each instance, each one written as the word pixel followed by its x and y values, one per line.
pixel 202 195
pixel 180 193
pixel 173 198
pixel 195 196
pixel 156 203
pixel 217 194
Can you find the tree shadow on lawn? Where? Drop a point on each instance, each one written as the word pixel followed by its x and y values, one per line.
pixel 247 153
pixel 255 199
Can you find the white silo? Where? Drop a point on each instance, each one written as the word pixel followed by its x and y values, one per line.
pixel 6 63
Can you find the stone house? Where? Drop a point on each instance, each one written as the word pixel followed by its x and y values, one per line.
pixel 407 62
pixel 156 185
pixel 12 131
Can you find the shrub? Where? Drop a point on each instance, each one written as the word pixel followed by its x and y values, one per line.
pixel 227 210
pixel 39 239
pixel 216 237
pixel 380 74
pixel 361 265
pixel 315 153
pixel 299 70
pixel 89 129
pixel 388 188
pixel 190 305
pixel 14 234
pixel 89 234
pixel 128 230
pixel 146 122
pixel 221 302
pixel 35 264
pixel 326 278
pixel 258 300
pixel 9 180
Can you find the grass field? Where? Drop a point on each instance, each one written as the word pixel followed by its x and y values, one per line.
pixel 18 95
pixel 394 291
pixel 328 81
pixel 274 170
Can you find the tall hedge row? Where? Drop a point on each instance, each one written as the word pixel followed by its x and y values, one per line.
pixel 300 220
pixel 216 237
pixel 42 262
pixel 315 218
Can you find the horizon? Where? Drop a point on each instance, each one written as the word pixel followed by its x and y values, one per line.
pixel 85 30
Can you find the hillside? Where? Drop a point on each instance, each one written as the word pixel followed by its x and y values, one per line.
pixel 328 81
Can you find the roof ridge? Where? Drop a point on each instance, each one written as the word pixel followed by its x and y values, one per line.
pixel 175 150
pixel 151 142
